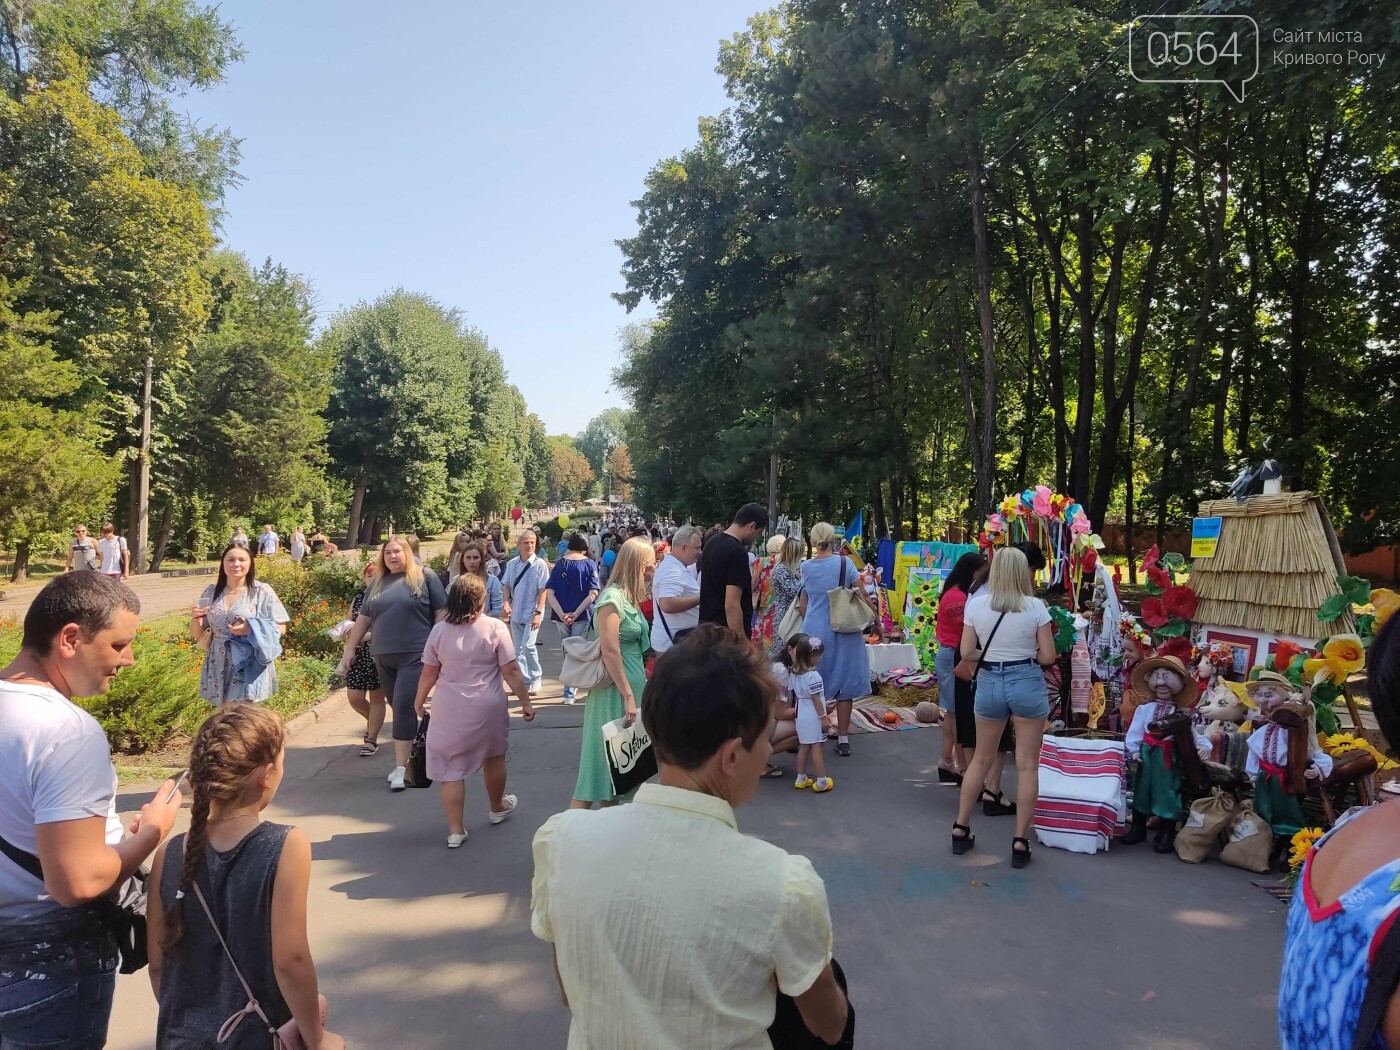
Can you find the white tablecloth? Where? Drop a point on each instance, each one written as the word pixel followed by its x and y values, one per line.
pixel 888 656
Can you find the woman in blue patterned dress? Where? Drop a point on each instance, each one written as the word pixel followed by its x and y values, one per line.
pixel 1347 900
pixel 225 611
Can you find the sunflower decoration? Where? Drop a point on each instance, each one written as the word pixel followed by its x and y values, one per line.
pixel 1300 846
pixel 1340 743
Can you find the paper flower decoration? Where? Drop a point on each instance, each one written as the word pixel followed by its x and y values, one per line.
pixel 1285 653
pixel 1341 656
pixel 1301 845
pixel 1153 555
pixel 1158 577
pixel 1178 647
pixel 1180 603
pixel 1040 501
pixel 1385 602
pixel 1154 613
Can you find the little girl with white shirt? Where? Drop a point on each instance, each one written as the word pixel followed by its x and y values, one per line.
pixel 796 671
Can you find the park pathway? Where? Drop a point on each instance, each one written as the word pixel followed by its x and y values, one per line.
pixel 419 948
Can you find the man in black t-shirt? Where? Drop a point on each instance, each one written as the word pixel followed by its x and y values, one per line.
pixel 726 580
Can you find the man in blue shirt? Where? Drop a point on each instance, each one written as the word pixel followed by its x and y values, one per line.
pixel 573 588
pixel 526 578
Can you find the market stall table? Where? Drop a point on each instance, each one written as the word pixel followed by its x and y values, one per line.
pixel 889 655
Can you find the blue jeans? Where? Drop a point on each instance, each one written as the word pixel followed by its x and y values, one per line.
pixel 944 660
pixel 527 653
pixel 55 1011
pixel 1006 691
pixel 578 630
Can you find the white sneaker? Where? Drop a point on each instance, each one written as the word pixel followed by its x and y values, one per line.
pixel 534 689
pixel 396 779
pixel 390 778
pixel 455 841
pixel 510 801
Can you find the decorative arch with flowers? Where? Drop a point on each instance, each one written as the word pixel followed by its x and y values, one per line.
pixel 1055 523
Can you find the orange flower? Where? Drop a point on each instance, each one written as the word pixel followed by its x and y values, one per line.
pixel 1342 656
pixel 1386 602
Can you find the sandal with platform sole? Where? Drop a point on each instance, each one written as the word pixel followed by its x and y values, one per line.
pixel 964 842
pixel 1020 857
pixel 994 806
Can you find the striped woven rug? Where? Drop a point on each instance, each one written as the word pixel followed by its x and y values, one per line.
pixel 867 716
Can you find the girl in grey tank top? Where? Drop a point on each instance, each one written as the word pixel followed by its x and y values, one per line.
pixel 231 857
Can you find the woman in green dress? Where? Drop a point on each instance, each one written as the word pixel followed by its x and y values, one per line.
pixel 625 639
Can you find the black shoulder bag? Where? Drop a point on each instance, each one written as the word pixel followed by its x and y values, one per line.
pixel 122 912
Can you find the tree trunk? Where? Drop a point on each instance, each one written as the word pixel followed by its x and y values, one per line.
pixel 877 508
pixel 984 465
pixel 1129 523
pixel 167 521
pixel 19 572
pixel 357 506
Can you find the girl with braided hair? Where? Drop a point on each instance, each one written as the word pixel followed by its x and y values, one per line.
pixel 253 876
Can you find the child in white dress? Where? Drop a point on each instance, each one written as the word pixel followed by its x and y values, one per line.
pixel 796 671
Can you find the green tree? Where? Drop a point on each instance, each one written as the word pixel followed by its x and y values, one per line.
pixel 604 433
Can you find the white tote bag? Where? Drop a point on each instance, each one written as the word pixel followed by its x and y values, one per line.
pixel 583 664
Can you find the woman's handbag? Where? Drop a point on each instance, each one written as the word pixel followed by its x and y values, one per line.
pixel 415 774
pixel 631 758
pixel 287 1037
pixel 791 622
pixel 849 611
pixel 789 1032
pixel 583 663
pixel 966 668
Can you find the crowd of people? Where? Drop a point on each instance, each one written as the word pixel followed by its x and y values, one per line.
pixel 661 925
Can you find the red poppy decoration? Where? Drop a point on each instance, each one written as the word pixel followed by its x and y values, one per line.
pixel 1285 653
pixel 1159 577
pixel 1153 556
pixel 1154 613
pixel 1091 560
pixel 1180 603
pixel 1178 647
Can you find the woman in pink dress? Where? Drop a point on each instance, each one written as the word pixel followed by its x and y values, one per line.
pixel 470 659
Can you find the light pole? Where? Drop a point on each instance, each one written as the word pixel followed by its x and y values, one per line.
pixel 607 479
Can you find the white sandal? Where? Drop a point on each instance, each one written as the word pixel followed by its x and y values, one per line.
pixel 510 801
pixel 455 841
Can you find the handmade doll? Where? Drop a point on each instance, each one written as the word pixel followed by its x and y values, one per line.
pixel 1155 738
pixel 1222 710
pixel 1283 752
pixel 1136 645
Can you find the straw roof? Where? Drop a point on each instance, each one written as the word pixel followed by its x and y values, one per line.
pixel 1277 560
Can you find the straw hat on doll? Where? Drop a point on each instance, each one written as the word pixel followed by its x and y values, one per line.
pixel 1274 679
pixel 1187 695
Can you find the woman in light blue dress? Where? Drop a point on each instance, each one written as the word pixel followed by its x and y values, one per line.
pixel 845 669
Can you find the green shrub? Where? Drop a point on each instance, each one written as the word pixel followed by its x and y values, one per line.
pixel 437 563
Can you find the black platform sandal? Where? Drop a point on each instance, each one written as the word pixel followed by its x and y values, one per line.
pixel 993 806
pixel 962 843
pixel 949 776
pixel 1020 857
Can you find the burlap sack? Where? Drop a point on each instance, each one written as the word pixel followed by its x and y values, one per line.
pixel 1248 840
pixel 1204 823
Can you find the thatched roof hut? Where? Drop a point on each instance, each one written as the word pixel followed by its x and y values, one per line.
pixel 1277 560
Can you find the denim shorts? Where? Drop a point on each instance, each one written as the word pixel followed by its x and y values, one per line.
pixel 944 660
pixel 1012 691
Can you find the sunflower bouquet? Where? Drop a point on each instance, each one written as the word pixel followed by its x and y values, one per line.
pixel 1341 743
pixel 1298 849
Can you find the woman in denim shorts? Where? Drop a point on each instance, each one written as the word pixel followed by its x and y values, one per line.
pixel 1012 631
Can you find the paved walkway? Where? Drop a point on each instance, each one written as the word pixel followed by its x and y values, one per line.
pixel 419 948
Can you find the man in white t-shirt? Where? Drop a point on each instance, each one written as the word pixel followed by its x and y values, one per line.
pixel 111 548
pixel 269 542
pixel 675 589
pixel 61 843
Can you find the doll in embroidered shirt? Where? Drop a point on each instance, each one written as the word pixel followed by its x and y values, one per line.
pixel 1284 743
pixel 1166 688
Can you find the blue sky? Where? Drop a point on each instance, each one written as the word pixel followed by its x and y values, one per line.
pixel 482 153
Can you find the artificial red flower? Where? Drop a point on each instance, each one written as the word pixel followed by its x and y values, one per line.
pixel 1285 653
pixel 1154 613
pixel 1159 577
pixel 1091 561
pixel 1178 647
pixel 1180 603
pixel 1153 556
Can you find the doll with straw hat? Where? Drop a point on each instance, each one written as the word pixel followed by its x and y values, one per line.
pixel 1166 687
pixel 1285 740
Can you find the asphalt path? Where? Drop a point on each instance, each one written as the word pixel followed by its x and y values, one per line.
pixel 419 948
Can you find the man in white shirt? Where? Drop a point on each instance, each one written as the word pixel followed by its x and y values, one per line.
pixel 61 843
pixel 671 929
pixel 116 559
pixel 675 589
pixel 269 542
